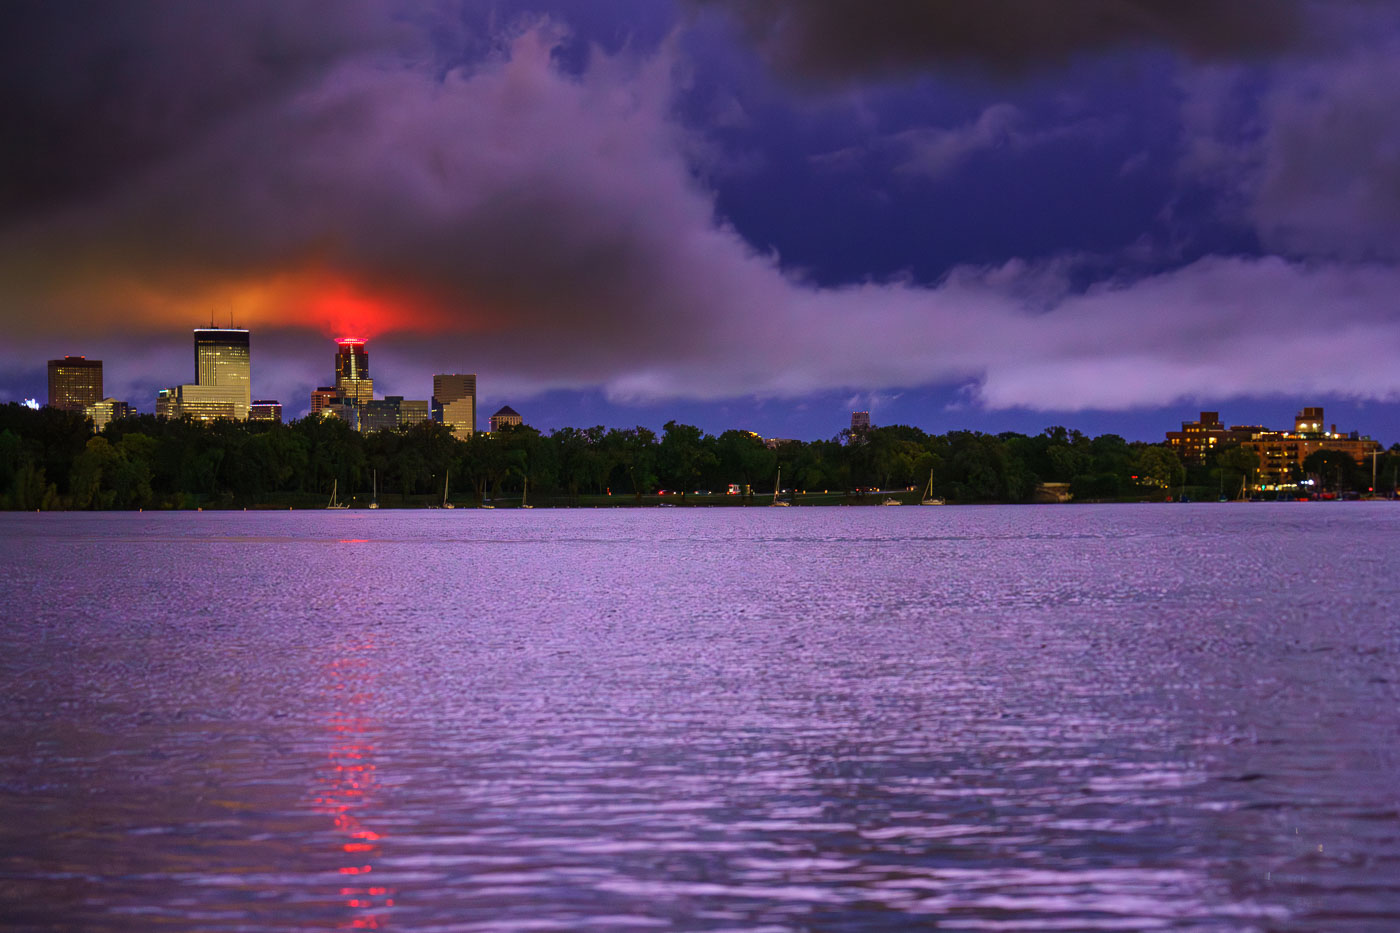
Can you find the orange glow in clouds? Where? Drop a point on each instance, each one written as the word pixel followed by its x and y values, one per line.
pixel 316 299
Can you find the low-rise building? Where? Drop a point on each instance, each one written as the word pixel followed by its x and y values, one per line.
pixel 380 414
pixel 322 397
pixel 202 403
pixel 106 411
pixel 414 411
pixel 344 409
pixel 265 409
pixel 1281 453
pixel 1053 492
pixel 1198 438
pixel 505 416
pixel 168 403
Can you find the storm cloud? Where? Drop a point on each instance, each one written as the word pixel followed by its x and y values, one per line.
pixel 843 40
pixel 1328 161
pixel 1307 156
pixel 550 227
pixel 94 93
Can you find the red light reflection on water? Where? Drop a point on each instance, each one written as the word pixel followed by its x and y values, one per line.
pixel 348 791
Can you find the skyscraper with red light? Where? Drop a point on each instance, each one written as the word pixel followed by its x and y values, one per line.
pixel 352 379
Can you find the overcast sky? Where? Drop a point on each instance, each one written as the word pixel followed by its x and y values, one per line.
pixel 740 213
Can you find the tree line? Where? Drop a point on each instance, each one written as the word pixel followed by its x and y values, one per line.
pixel 51 459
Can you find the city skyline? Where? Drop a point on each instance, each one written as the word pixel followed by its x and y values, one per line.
pixel 351 360
pixel 764 215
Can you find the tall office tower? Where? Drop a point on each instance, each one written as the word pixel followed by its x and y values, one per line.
pixel 75 382
pixel 454 402
pixel 223 382
pixel 352 370
pixel 221 360
pixel 860 427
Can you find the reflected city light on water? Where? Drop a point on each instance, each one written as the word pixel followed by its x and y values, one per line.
pixel 349 790
pixel 1109 718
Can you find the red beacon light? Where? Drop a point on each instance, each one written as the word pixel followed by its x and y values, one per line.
pixel 350 341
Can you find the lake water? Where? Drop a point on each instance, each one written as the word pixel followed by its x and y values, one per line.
pixel 1004 718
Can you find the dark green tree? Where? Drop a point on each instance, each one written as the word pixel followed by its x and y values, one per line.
pixel 684 455
pixel 1333 470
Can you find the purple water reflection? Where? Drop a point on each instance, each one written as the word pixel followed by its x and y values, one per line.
pixel 833 719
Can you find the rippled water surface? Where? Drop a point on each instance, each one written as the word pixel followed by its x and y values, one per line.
pixel 1083 717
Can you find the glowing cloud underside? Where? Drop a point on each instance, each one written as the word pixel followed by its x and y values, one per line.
pixel 553 227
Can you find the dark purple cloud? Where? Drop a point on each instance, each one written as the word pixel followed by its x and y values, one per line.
pixel 94 93
pixel 1328 162
pixel 841 40
pixel 1307 156
pixel 549 229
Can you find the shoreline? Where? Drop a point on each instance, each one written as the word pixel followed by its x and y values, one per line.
pixel 512 505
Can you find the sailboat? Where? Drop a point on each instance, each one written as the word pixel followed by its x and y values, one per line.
pixel 335 485
pixel 777 488
pixel 374 499
pixel 524 491
pixel 929 498
pixel 447 475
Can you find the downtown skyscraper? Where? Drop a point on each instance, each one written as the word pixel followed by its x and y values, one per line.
pixel 75 382
pixel 223 386
pixel 352 379
pixel 454 402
